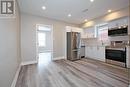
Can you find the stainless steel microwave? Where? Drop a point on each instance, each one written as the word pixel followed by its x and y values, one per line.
pixel 118 31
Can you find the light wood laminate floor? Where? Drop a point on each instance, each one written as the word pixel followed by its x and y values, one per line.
pixel 81 73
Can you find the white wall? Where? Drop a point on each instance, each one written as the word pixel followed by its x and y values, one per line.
pixel 28 36
pixel 9 49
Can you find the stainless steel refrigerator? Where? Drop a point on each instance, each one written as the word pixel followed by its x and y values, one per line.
pixel 73 46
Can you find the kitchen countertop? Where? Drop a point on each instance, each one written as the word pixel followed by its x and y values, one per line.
pixel 95 45
pixel 102 46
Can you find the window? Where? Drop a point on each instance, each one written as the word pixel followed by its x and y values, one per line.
pixel 102 33
pixel 44 28
pixel 42 39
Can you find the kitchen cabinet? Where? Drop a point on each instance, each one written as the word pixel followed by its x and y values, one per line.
pixel 89 33
pixel 88 36
pixel 88 51
pixel 85 33
pixel 95 52
pixel 82 51
pixel 73 29
pixel 100 54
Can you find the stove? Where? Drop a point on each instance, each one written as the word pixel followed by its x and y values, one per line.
pixel 116 52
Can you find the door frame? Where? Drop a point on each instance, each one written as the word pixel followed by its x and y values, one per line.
pixel 37 53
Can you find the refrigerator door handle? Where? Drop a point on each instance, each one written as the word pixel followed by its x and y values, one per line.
pixel 78 41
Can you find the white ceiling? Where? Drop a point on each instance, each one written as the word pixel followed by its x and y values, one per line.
pixel 59 9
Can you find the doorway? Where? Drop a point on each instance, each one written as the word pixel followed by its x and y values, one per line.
pixel 44 42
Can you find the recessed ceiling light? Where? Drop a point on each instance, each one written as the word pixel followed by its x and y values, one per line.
pixel 109 11
pixel 85 20
pixel 92 0
pixel 44 7
pixel 69 15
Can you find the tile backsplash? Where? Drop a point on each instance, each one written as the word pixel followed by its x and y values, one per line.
pixel 96 41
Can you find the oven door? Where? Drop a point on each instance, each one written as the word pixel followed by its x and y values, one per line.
pixel 117 55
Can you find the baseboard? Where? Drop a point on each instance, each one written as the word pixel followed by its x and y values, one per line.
pixel 28 63
pixel 58 58
pixel 16 76
pixel 18 71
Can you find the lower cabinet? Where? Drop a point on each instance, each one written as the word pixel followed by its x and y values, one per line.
pixel 95 52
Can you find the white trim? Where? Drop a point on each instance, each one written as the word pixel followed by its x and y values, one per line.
pixel 59 58
pixel 28 63
pixel 65 35
pixel 51 26
pixel 18 71
pixel 16 76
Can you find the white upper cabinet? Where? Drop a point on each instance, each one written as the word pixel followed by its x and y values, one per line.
pixel 89 33
pixel 73 29
pixel 68 29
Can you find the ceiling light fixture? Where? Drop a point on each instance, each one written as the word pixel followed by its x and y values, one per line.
pixel 109 11
pixel 92 0
pixel 85 20
pixel 44 7
pixel 69 15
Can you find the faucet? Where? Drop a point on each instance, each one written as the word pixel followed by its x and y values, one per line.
pixel 102 42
